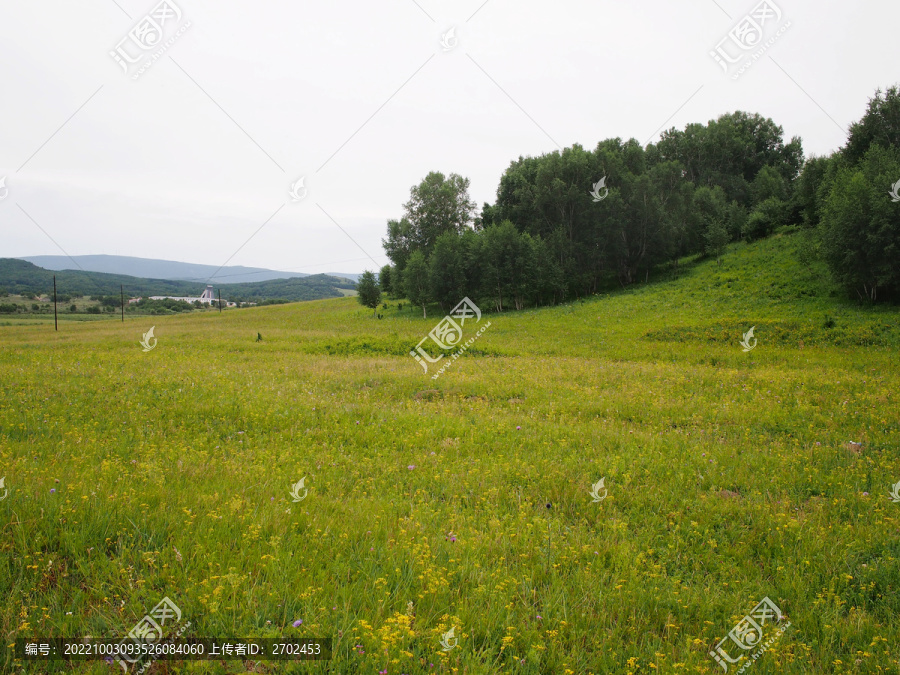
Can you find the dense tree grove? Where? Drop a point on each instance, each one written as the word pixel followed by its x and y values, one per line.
pixel 567 223
pixel 851 203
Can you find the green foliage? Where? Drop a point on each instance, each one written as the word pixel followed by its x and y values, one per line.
pixel 165 305
pixel 768 215
pixel 861 226
pixel 716 236
pixel 731 152
pixel 547 238
pixel 385 281
pixel 453 267
pixel 436 206
pixel 416 282
pixel 807 190
pixel 400 242
pixel 768 184
pixel 661 200
pixel 507 259
pixel 880 125
pixel 488 217
pixel 111 300
pixel 368 291
pixel 858 226
pixel 710 211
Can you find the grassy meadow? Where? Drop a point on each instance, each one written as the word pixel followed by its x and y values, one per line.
pixel 465 501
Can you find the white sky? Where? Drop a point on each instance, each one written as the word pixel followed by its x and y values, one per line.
pixel 194 157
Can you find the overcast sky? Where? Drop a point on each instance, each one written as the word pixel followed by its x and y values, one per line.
pixel 193 159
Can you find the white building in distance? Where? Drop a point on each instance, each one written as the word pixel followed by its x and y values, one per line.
pixel 206 298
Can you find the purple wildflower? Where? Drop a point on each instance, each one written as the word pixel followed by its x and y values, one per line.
pixel 297 623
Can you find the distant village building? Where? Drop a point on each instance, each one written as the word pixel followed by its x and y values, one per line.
pixel 207 297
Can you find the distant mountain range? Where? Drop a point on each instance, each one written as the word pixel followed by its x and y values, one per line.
pixel 150 268
pixel 20 276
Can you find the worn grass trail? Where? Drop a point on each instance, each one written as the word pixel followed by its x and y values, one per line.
pixel 728 473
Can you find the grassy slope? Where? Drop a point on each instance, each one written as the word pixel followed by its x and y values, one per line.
pixel 727 474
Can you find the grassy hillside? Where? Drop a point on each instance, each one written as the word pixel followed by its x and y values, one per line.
pixel 466 501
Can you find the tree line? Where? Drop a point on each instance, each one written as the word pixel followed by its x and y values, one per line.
pixel 571 222
pixel 20 277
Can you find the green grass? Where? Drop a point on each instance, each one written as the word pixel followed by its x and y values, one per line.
pixel 728 473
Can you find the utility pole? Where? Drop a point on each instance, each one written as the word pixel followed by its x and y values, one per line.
pixel 122 291
pixel 220 299
pixel 55 319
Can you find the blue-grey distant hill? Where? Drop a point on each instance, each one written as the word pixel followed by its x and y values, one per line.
pixel 19 277
pixel 165 269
